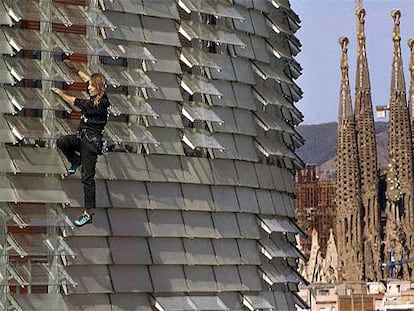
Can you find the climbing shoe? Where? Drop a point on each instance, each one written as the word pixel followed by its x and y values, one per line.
pixel 83 220
pixel 72 169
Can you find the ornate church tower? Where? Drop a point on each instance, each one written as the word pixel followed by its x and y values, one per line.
pixel 367 152
pixel 348 222
pixel 399 229
pixel 411 98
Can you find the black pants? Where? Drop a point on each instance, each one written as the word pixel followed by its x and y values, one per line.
pixel 70 145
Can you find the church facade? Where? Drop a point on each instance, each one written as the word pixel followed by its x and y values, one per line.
pixel 374 223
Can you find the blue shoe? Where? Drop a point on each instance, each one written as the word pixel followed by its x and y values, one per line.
pixel 83 220
pixel 72 169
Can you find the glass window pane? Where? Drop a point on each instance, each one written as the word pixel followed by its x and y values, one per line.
pixel 202 139
pixel 30 127
pixel 199 111
pixel 198 84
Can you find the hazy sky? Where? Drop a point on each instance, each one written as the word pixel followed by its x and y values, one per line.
pixel 323 21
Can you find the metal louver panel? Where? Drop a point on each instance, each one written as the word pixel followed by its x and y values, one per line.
pixel 200 139
pixel 272 122
pixel 36 215
pixel 99 300
pixel 278 224
pixel 134 278
pixel 160 33
pixel 259 21
pixel 280 273
pixel 130 301
pixel 31 128
pixel 174 273
pixel 157 8
pixel 249 251
pixel 161 8
pixel 213 7
pixel 34 69
pixel 125 76
pixel 7 193
pixel 247 200
pixel 37 160
pixel 5 18
pixel 122 133
pixel 198 224
pixel 209 303
pixel 168 251
pixel 5 74
pixel 198 84
pixel 73 190
pixel 51 302
pixel 34 98
pixel 274 147
pixel 164 168
pixel 90 279
pixel 122 221
pixel 169 141
pixel 195 57
pixel 64 13
pixel 6 105
pixel 115 49
pixel 166 59
pixel 89 250
pixel 278 247
pixel 197 197
pixel 126 6
pixel 165 196
pixel 38 189
pixel 200 251
pixel 266 71
pixel 5 47
pixel 255 302
pixel 192 30
pixel 129 27
pixel 174 303
pixel 6 163
pixel 131 105
pixel 6 131
pixel 167 87
pixel 166 224
pixel 268 97
pixel 127 166
pixel 277 23
pixel 128 193
pixel 229 145
pixel 227 252
pixel 199 111
pixel 201 278
pixel 24 39
pixel 228 278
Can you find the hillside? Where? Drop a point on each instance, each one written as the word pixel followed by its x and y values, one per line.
pixel 320 144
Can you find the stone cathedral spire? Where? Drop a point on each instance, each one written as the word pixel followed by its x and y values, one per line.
pixel 399 228
pixel 367 152
pixel 411 98
pixel 348 222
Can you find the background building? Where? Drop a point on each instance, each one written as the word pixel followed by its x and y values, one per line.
pixel 375 217
pixel 372 213
pixel 315 207
pixel 195 202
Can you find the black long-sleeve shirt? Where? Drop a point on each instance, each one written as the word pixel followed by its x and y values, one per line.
pixel 94 117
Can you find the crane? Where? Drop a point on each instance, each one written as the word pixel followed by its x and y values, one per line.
pixel 393 263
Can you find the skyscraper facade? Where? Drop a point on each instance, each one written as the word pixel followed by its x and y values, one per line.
pixel 194 198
